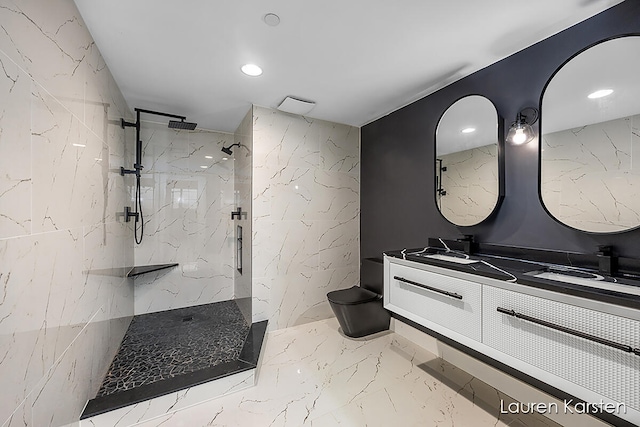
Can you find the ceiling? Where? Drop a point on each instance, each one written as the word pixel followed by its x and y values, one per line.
pixel 358 60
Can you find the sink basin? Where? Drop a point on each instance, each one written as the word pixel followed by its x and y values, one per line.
pixel 451 258
pixel 592 280
pixel 578 278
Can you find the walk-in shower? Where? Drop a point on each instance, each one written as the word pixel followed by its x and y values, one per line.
pixel 192 320
pixel 137 166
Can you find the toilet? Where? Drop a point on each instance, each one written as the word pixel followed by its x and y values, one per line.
pixel 359 309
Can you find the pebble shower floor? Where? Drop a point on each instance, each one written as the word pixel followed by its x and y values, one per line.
pixel 163 345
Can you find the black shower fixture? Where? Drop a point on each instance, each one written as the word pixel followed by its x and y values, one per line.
pixel 182 125
pixel 137 166
pixel 227 150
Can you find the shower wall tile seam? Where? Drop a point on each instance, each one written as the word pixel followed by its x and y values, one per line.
pixel 51 369
pixel 80 120
pixel 44 233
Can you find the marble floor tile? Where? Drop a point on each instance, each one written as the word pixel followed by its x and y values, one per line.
pixel 312 375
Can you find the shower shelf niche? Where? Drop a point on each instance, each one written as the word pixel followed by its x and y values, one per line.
pixel 142 269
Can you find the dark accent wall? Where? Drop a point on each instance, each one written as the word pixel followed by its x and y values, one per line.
pixel 398 208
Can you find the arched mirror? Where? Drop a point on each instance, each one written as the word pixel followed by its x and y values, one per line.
pixel 590 150
pixel 468 166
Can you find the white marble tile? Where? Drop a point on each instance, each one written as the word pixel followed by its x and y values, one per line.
pixel 15 150
pixel 311 375
pixel 339 244
pixel 103 254
pixel 64 219
pixel 300 298
pixel 340 148
pixel 69 179
pixel 336 196
pixel 69 377
pixel 117 192
pixel 285 248
pixel 281 139
pixel 181 286
pixel 49 298
pixel 588 176
pixel 50 42
pixel 260 298
pixel 305 215
pixel 98 97
pixel 262 192
pixel 471 185
pixel 292 190
pixel 20 417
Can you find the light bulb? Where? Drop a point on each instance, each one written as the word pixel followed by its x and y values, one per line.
pixel 251 70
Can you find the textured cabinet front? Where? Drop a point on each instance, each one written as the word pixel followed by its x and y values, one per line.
pixel 607 371
pixel 462 315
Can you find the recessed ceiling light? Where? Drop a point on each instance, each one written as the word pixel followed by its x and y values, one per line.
pixel 225 158
pixel 208 157
pixel 468 130
pixel 271 19
pixel 78 145
pixel 204 167
pixel 251 70
pixel 600 93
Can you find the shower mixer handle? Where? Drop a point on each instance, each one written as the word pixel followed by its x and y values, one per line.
pixel 127 214
pixel 136 170
pixel 238 213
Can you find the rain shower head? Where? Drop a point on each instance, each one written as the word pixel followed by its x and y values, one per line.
pixel 174 124
pixel 227 150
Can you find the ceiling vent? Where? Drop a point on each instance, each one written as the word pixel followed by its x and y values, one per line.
pixel 296 106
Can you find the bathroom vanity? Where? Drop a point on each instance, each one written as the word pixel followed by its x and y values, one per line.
pixel 575 330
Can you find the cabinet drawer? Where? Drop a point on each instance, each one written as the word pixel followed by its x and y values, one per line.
pixel 562 340
pixel 447 301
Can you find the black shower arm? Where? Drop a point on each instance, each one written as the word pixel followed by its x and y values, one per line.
pixel 158 113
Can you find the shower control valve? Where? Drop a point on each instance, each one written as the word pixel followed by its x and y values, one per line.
pixel 135 171
pixel 238 213
pixel 128 214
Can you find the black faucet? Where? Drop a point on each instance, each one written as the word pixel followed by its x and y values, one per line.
pixel 467 243
pixel 607 261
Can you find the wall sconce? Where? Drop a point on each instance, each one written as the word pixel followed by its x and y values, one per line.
pixel 520 131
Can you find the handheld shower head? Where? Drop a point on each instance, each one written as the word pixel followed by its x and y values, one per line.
pixel 227 150
pixel 174 124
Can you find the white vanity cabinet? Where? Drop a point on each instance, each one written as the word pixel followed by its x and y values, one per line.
pixel 584 347
pixel 438 301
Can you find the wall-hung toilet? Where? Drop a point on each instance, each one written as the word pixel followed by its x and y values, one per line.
pixel 359 309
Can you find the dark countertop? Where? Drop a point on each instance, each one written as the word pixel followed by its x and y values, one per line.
pixel 520 267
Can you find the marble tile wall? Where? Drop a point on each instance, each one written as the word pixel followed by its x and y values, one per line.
pixel 471 183
pixel 243 175
pixel 187 199
pixel 65 301
pixel 306 215
pixel 591 175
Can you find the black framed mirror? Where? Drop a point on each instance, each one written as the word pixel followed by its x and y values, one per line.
pixel 590 139
pixel 468 161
